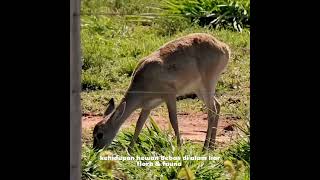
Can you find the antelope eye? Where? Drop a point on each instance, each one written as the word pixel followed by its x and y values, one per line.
pixel 99 135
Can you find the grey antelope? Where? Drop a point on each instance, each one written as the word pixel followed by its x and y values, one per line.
pixel 190 64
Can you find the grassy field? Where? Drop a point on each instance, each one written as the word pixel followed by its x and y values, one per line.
pixel 111 48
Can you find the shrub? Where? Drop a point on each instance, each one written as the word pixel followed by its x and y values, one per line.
pixel 216 13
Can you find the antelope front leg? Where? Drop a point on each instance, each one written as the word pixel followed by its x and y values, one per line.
pixel 142 119
pixel 215 124
pixel 172 109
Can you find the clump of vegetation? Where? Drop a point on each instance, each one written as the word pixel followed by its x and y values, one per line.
pixel 153 142
pixel 231 14
pixel 124 7
pixel 90 164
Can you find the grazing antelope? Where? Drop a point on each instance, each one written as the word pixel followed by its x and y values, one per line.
pixel 190 64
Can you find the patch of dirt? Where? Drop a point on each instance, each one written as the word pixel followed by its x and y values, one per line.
pixel 192 126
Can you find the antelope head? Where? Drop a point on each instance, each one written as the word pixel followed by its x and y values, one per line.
pixel 105 131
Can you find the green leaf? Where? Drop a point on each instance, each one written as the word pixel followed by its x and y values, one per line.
pixel 154 125
pixel 186 173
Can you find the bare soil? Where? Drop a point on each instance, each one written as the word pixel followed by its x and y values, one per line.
pixel 192 126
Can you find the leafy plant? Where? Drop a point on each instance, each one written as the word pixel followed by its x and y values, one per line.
pixel 155 142
pixel 186 173
pixel 216 13
pixel 236 171
pixel 90 164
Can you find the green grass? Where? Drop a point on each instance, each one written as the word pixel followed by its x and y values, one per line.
pixel 111 48
pixel 154 143
pixel 119 6
pixel 233 162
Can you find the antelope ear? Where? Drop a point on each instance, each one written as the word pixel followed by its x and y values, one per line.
pixel 120 110
pixel 110 108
